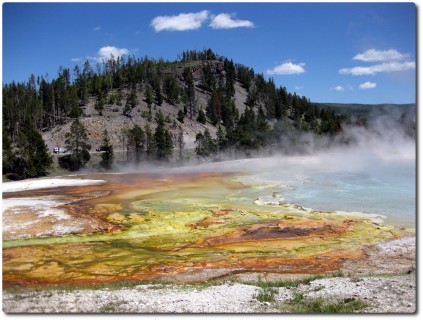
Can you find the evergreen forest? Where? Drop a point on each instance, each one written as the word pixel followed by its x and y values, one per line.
pixel 266 119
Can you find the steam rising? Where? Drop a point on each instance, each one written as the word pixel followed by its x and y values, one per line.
pixel 388 137
pixel 368 169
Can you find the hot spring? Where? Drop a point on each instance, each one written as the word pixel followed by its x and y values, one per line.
pixel 303 214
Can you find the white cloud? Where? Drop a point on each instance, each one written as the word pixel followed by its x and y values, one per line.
pixel 76 59
pixel 105 53
pixel 367 85
pixel 298 87
pixel 342 88
pixel 181 22
pixel 287 68
pixel 390 62
pixel 225 21
pixel 392 66
pixel 378 55
pixel 96 28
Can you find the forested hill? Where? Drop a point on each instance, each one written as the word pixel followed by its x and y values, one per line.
pixel 154 110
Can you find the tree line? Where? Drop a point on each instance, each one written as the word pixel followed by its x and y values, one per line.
pixel 41 103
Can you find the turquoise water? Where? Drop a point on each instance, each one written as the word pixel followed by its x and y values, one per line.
pixel 343 182
pixel 391 194
pixel 386 188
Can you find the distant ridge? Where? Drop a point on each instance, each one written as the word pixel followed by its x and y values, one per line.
pixel 359 109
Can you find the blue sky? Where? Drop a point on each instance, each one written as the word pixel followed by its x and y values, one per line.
pixel 328 52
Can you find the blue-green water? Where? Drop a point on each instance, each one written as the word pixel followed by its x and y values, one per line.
pixel 372 184
pixel 391 195
pixel 386 188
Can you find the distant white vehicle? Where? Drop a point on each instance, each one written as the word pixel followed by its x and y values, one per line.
pixel 59 150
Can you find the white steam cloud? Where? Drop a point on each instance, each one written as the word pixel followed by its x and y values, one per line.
pixel 327 173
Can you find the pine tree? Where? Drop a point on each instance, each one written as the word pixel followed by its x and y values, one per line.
pixel 151 143
pixel 190 92
pixel 107 155
pixel 168 151
pixel 76 143
pixel 230 77
pixel 230 113
pixel 243 134
pixel 181 143
pixel 31 158
pixel 163 138
pixel 208 78
pixel 181 116
pixel 214 108
pixel 262 129
pixel 9 158
pixel 206 146
pixel 131 102
pixel 171 90
pixel 136 140
pixel 149 96
pixel 200 149
pixel 221 139
pixel 158 91
pixel 201 117
pixel 99 104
